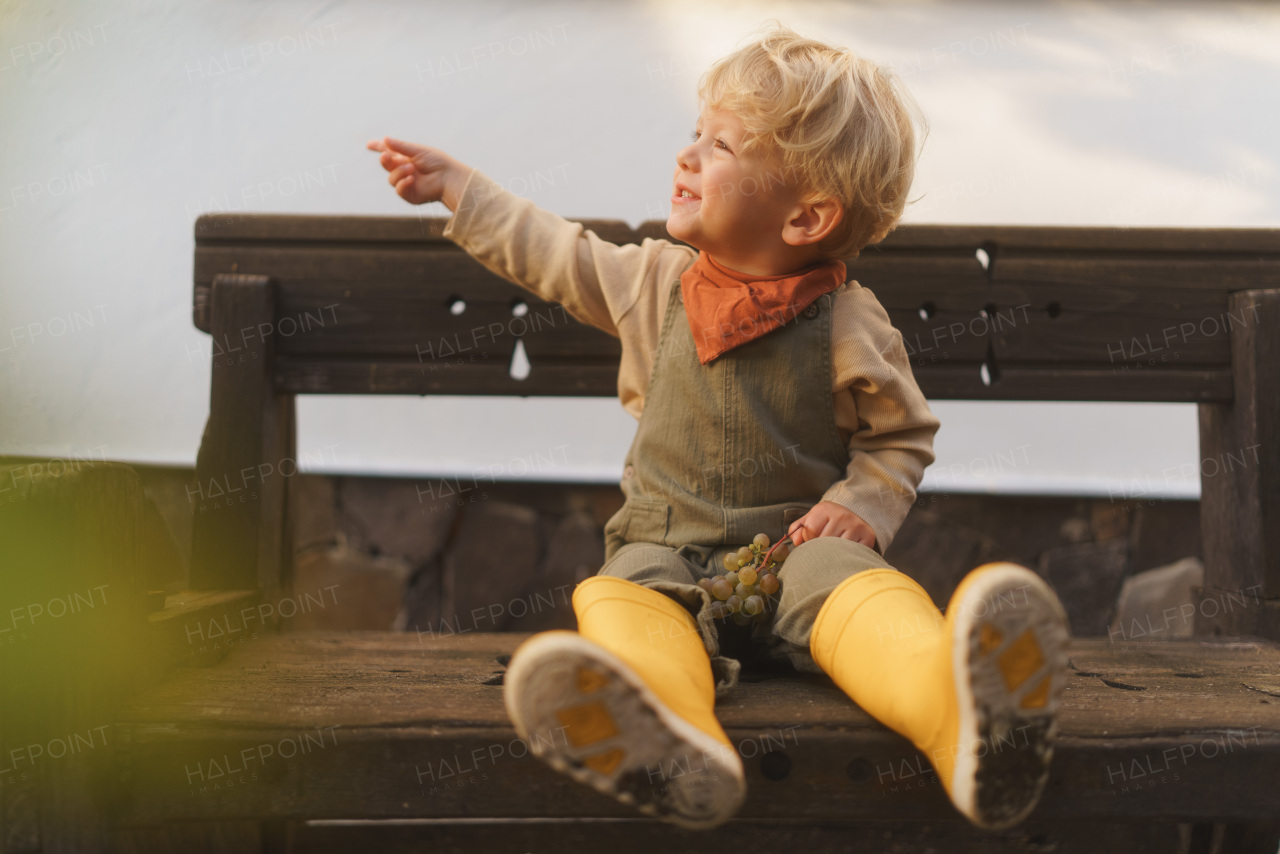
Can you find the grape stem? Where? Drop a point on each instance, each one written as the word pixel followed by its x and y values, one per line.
pixel 765 561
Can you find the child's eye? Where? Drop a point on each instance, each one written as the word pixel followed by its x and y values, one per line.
pixel 720 142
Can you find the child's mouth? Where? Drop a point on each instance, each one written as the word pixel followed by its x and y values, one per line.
pixel 683 196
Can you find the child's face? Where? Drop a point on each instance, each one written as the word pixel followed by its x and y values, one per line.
pixel 740 203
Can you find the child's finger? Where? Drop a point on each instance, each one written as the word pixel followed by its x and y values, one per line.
pixel 400 173
pixel 390 161
pixel 799 532
pixel 407 148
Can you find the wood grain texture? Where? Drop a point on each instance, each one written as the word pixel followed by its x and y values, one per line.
pixel 387 725
pixel 1067 381
pixel 1221 613
pixel 1240 459
pixel 240 530
pixel 1057 314
pixel 474 374
pixel 633 836
pixel 409 229
pixel 186 630
pixel 465 374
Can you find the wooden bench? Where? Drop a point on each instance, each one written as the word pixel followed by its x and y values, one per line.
pixel 393 741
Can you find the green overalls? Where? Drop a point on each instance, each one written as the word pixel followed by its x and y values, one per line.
pixel 743 445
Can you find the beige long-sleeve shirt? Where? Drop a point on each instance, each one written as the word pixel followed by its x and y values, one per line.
pixel 880 411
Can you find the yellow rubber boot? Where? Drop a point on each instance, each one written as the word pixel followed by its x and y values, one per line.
pixel 626 705
pixel 658 638
pixel 977 691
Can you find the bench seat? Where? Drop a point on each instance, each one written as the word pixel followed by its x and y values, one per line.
pixel 372 725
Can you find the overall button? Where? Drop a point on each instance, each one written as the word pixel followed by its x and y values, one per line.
pixel 811 311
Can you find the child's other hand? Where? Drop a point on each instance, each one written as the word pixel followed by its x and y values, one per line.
pixel 419 173
pixel 828 519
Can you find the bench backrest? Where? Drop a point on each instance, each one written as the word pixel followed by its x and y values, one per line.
pixel 386 305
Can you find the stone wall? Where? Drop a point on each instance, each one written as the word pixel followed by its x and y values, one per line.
pixel 439 557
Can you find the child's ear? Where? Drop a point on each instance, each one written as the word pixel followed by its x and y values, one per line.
pixel 812 221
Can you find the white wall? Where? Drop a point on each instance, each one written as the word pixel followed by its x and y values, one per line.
pixel 120 123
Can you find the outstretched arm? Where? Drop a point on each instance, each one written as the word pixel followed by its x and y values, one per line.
pixel 598 282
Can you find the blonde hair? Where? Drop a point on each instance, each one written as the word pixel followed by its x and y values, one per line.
pixel 841 124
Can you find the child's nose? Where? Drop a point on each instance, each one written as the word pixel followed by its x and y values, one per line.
pixel 687 158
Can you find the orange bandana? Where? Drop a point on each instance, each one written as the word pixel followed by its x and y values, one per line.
pixel 727 308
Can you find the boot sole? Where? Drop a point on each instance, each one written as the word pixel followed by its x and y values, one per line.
pixel 587 714
pixel 1009 661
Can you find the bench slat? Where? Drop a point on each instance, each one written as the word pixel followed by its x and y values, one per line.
pixel 1112 326
pixel 323 228
pixel 643 836
pixel 1168 271
pixel 404 725
pixel 1062 314
pixel 1240 466
pixel 1059 381
pixel 323 318
pixel 1108 328
pixel 474 374
pixel 469 374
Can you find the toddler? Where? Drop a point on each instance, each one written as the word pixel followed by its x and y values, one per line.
pixel 773 397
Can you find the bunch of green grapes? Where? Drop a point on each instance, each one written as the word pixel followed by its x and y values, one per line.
pixel 744 591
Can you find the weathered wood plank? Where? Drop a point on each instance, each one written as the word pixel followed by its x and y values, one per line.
pixel 325 228
pixel 1174 271
pixel 317 281
pixel 291 679
pixel 460 772
pixel 1113 326
pixel 434 270
pixel 1242 241
pixel 1056 314
pixel 468 373
pixel 383 725
pixel 473 374
pixel 178 635
pixel 631 836
pixel 1240 459
pixel 1065 381
pixel 345 318
pixel 1035 322
pixel 240 531
pixel 1240 612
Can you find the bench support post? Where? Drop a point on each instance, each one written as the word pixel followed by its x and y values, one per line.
pixel 241 536
pixel 1240 476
